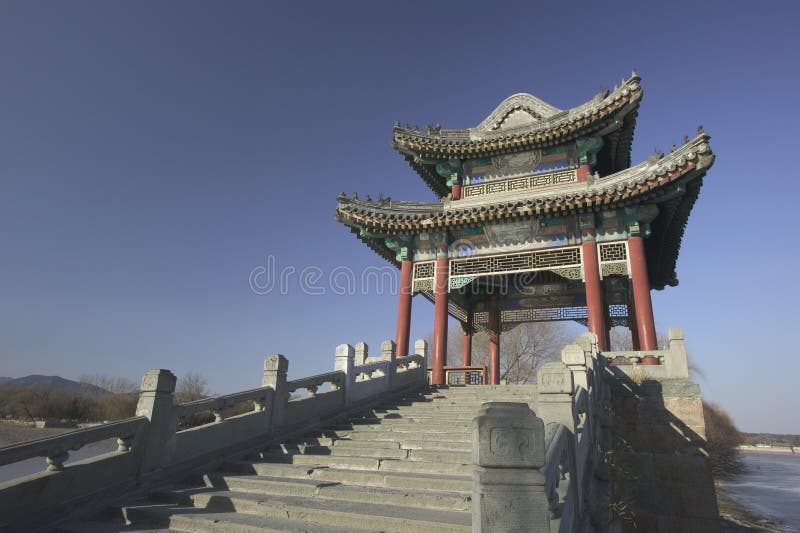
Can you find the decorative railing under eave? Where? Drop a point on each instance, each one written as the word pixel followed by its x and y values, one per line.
pixel 155 445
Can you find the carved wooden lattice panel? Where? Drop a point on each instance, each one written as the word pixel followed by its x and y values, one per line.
pixel 617 312
pixel 423 274
pixel 518 262
pixel 613 258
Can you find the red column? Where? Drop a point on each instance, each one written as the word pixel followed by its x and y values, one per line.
pixel 594 294
pixel 641 294
pixel 494 339
pixel 440 318
pixel 457 191
pixel 404 308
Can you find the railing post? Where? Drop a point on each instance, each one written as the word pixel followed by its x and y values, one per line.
pixel 345 360
pixel 508 492
pixel 275 368
pixel 555 388
pixel 421 349
pixel 388 353
pixel 155 403
pixel 574 357
pixel 362 352
pixel 677 362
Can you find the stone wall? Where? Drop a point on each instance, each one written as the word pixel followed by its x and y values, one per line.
pixel 660 476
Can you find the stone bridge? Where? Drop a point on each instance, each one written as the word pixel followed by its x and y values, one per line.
pixel 601 443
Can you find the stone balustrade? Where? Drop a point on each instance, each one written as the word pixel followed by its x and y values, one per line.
pixel 672 360
pixel 564 493
pixel 56 449
pixel 152 447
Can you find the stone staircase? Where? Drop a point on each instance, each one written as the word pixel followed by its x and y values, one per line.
pixel 403 466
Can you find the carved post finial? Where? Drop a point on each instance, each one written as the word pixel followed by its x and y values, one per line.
pixel 362 352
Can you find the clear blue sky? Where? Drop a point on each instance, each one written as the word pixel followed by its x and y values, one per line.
pixel 152 154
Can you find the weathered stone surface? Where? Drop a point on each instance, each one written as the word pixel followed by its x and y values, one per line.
pixel 554 378
pixel 507 450
pixel 362 352
pixel 507 435
pixel 573 354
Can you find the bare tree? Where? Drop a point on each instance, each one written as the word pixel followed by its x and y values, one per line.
pixel 112 384
pixel 622 341
pixel 192 386
pixel 523 349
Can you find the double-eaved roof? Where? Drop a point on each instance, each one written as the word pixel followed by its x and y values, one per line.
pixel 671 181
pixel 523 122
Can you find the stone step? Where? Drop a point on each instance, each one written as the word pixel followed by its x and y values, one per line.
pixel 106 526
pixel 375 464
pixel 416 417
pixel 316 488
pixel 457 389
pixel 378 440
pixel 464 444
pixel 434 440
pixel 192 519
pixel 322 452
pixel 440 456
pixel 356 515
pixel 378 478
pixel 420 422
pixel 418 429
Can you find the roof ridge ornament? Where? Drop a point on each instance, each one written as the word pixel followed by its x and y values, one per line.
pixel 537 108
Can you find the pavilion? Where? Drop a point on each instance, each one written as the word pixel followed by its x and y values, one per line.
pixel 540 217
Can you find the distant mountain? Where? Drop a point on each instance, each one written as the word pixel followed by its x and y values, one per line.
pixel 53 382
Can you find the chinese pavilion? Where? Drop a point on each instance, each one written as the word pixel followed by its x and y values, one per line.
pixel 540 217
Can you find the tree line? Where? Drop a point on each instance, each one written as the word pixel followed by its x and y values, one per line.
pixel 118 402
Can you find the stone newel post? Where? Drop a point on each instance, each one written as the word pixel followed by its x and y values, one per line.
pixel 389 353
pixel 362 352
pixel 421 349
pixel 507 488
pixel 677 362
pixel 275 368
pixel 345 360
pixel 155 403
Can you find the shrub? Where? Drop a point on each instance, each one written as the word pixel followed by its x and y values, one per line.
pixel 723 438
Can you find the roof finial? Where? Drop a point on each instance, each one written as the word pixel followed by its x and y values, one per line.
pixel 672 148
pixel 700 129
pixel 396 123
pixel 685 139
pixel 633 73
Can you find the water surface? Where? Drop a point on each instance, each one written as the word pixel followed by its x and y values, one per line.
pixel 771 486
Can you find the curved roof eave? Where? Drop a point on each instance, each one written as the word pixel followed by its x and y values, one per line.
pixel 633 185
